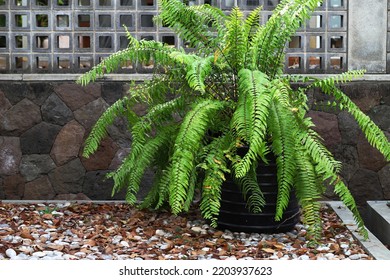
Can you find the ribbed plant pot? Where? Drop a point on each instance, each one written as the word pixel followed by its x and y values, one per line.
pixel 235 216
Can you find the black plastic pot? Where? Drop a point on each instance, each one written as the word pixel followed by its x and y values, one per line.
pixel 235 216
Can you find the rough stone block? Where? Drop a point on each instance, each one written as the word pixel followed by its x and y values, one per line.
pixel 365 185
pixel 369 157
pixel 68 143
pixel 14 186
pixel 90 113
pixel 111 92
pixel 102 158
pixel 40 188
pixel 75 96
pixel 327 126
pixel 10 155
pixel 349 128
pixel 39 139
pixel 381 116
pixel 348 156
pixel 384 178
pixel 68 178
pixel 4 103
pixel 55 111
pixel 20 118
pixel 33 166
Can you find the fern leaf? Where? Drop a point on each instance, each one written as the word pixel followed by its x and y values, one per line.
pixel 188 24
pixel 372 132
pixel 99 130
pixel 187 144
pixel 308 193
pixel 197 73
pixel 342 191
pixel 251 191
pixel 215 166
pixel 130 173
pixel 283 139
pixel 236 42
pixel 255 86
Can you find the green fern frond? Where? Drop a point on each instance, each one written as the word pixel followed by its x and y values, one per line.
pixel 283 137
pixel 251 191
pixel 255 86
pixel 215 167
pixel 312 143
pixel 269 42
pixel 372 132
pixel 130 173
pixel 187 145
pixel 197 73
pixel 236 42
pixel 308 193
pixel 346 197
pixel 99 130
pixel 187 23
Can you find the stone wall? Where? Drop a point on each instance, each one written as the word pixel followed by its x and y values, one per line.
pixel 42 130
pixel 43 127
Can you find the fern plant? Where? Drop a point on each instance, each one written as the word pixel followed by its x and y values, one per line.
pixel 230 92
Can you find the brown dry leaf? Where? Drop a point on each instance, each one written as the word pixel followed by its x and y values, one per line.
pixel 26 234
pixel 47 216
pixel 268 250
pixel 279 246
pixel 56 247
pixel 335 247
pixel 90 242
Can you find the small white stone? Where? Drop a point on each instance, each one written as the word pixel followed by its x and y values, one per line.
pixel 304 257
pixel 355 257
pixel 10 253
pixel 39 254
pixel 125 244
pixel 323 248
pixel 206 249
pixel 16 239
pixel 196 229
pixel 160 232
pixel 329 256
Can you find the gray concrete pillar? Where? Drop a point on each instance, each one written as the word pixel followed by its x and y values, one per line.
pixel 367 29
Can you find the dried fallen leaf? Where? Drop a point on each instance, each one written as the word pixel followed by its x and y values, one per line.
pixel 268 250
pixel 26 234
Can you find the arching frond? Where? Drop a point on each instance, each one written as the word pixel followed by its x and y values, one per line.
pixel 372 132
pixel 99 130
pixel 130 173
pixel 250 117
pixel 214 164
pixel 235 40
pixel 283 137
pixel 346 197
pixel 187 145
pixel 308 193
pixel 197 73
pixel 189 24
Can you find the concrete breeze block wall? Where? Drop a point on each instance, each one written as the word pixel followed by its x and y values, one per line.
pixel 43 126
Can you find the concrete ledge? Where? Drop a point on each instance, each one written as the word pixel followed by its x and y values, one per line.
pixel 373 245
pixel 71 77
pixel 143 77
pixel 379 220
